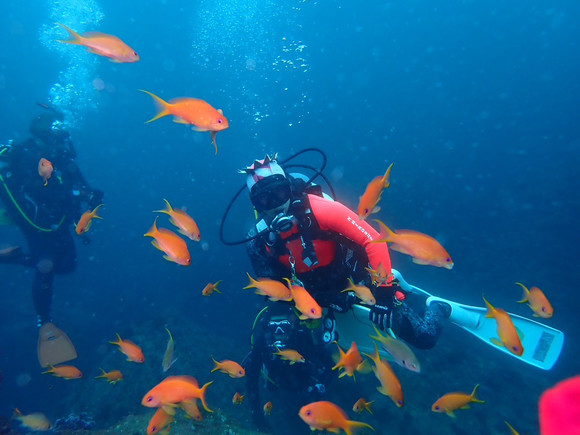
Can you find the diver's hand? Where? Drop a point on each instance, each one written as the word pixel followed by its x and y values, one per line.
pixel 380 313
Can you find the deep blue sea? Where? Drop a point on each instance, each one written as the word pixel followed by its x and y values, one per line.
pixel 476 103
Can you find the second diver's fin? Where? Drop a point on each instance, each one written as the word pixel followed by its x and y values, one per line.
pixel 54 346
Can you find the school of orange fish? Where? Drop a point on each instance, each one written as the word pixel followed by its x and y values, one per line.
pixel 183 391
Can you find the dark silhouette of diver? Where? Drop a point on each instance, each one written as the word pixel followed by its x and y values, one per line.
pixel 45 214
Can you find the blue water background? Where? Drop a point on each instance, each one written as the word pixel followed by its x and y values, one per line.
pixel 475 102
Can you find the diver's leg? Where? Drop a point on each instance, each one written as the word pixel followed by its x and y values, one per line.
pixel 42 294
pixel 420 331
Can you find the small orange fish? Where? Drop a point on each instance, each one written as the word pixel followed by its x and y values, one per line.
pixel 173 390
pixel 289 355
pixel 168 359
pixel 325 415
pixel 102 44
pixel 84 223
pixel 398 349
pixel 275 290
pixel 349 362
pixel 390 385
pixel 182 220
pixel 380 276
pixel 362 405
pixel 210 288
pixel 362 292
pixel 268 408
pixel 232 368
pixel 36 421
pixel 537 301
pixel 368 202
pixel 130 349
pixel 112 377
pixel 191 111
pixel 508 335
pixel 304 301
pixel 422 248
pixel 453 401
pixel 65 372
pixel 191 409
pixel 160 420
pixel 45 170
pixel 167 241
pixel 238 398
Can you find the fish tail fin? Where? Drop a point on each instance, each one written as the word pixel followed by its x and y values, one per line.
pixel 490 308
pixel 119 340
pixel 215 289
pixel 351 424
pixel 170 336
pixel 202 396
pixel 96 210
pixel 50 370
pixel 375 356
pixel 387 177
pixel 473 393
pixel 153 230
pixel 102 374
pixel 167 210
pixel 76 38
pixel 525 295
pixel 252 283
pixel 162 107
pixel 385 233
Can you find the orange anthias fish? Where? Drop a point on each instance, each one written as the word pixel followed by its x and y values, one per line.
pixel 268 408
pixel 275 290
pixel 182 220
pixel 537 301
pixel 160 420
pixel 65 372
pixel 102 44
pixel 368 202
pixel 210 288
pixel 130 349
pixel 304 301
pixel 453 401
pixel 84 223
pixel 350 361
pixel 508 335
pixel 112 377
pixel 362 405
pixel 325 415
pixel 45 170
pixel 238 398
pixel 36 421
pixel 558 408
pixel 173 390
pixel 232 368
pixel 401 353
pixel 191 409
pixel 380 276
pixel 362 292
pixel 390 385
pixel 289 355
pixel 167 241
pixel 191 111
pixel 423 248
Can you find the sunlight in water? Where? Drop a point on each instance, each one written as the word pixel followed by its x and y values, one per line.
pixel 73 93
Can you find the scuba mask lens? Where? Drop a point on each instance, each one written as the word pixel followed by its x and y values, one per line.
pixel 270 192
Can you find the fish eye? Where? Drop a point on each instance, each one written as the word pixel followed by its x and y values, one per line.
pixel 308 412
pixel 149 399
pixel 135 53
pixel 154 429
pixel 516 348
pixel 437 408
pixel 448 260
pixel 220 120
pixel 544 309
pixel 400 402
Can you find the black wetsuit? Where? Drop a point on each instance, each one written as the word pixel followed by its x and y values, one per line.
pixel 44 214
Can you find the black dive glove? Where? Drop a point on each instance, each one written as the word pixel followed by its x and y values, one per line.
pixel 380 313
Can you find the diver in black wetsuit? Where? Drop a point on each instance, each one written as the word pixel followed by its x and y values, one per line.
pixel 303 236
pixel 44 213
